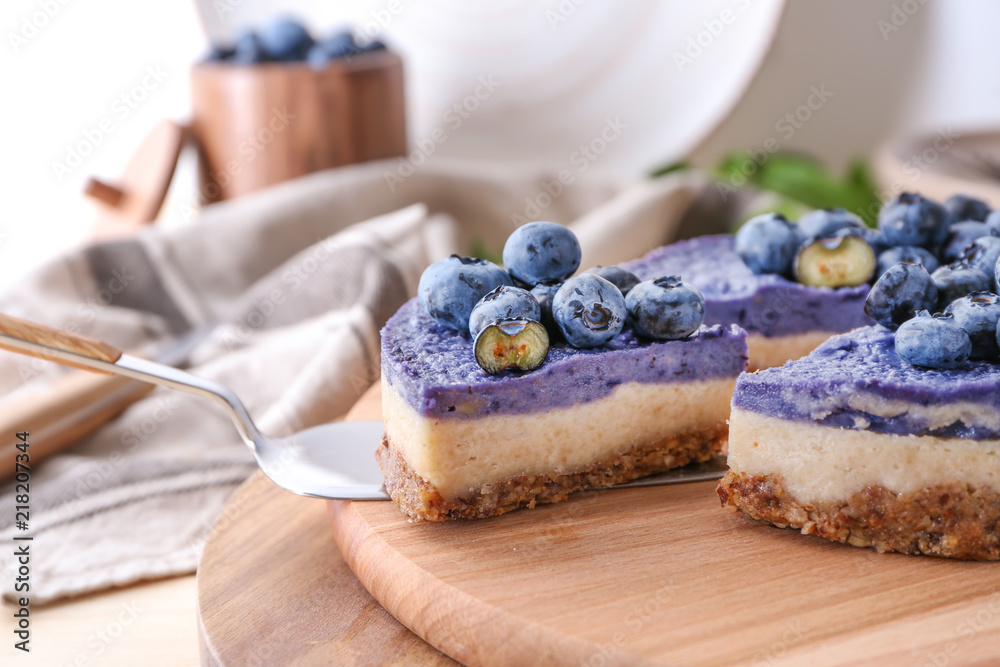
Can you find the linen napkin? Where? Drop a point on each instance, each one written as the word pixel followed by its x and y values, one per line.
pixel 290 286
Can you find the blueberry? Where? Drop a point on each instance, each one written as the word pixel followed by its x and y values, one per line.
pixel 900 292
pixel 543 293
pixel 589 310
pixel 374 45
pixel 286 40
pixel 906 253
pixel 768 243
pixel 963 207
pixel 826 222
pixel 978 314
pixel 838 261
pixel 503 303
pixel 219 53
pixel 450 288
pixel 993 222
pixel 983 255
pixel 960 236
pixel 511 344
pixel 665 308
pixel 911 219
pixel 617 276
pixel 876 239
pixel 956 280
pixel 248 49
pixel 338 45
pixel 933 342
pixel 541 251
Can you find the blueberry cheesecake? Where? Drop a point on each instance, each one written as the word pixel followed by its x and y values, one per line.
pixel 793 285
pixel 508 389
pixel 887 436
pixel 785 319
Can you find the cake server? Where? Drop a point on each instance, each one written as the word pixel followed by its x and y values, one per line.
pixel 329 461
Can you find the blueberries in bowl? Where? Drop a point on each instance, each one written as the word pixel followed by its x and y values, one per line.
pixel 286 40
pixel 768 243
pixel 503 303
pixel 911 219
pixel 933 342
pixel 588 310
pixel 900 292
pixel 978 314
pixel 541 251
pixel 339 45
pixel 450 288
pixel 906 253
pixel 665 308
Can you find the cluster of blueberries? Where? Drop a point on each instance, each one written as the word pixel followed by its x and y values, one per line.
pixel 286 40
pixel 512 314
pixel 927 257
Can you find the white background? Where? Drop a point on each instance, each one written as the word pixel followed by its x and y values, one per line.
pixel 564 68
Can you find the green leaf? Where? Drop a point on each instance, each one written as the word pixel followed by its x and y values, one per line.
pixel 805 180
pixel 483 251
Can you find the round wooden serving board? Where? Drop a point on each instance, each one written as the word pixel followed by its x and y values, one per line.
pixel 657 575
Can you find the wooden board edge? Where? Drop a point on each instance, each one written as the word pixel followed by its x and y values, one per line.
pixel 441 614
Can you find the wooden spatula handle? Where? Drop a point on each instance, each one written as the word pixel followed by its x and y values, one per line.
pixel 61 340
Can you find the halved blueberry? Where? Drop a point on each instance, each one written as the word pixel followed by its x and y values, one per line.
pixel 511 344
pixel 840 261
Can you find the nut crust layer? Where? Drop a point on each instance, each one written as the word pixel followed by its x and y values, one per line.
pixel 952 520
pixel 420 500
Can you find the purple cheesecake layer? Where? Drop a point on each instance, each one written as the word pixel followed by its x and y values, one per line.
pixel 857 381
pixel 767 304
pixel 434 369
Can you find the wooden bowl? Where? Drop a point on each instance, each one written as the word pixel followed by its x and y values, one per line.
pixel 257 125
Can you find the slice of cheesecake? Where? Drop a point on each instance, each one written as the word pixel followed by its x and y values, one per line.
pixel 460 443
pixel 785 319
pixel 853 444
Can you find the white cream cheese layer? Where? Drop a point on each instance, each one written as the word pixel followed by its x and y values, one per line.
pixel 766 352
pixel 459 455
pixel 829 464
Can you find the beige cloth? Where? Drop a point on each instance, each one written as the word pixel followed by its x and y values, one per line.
pixel 296 282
